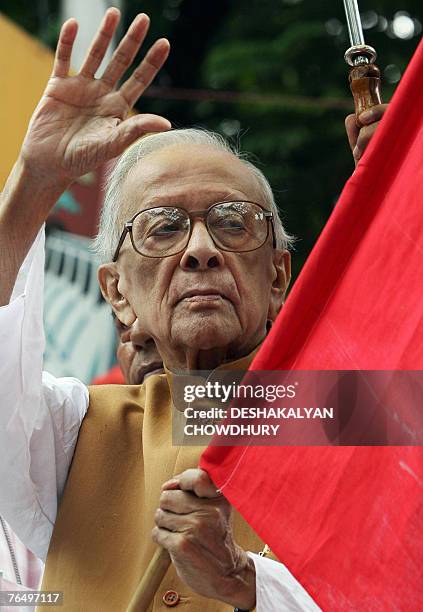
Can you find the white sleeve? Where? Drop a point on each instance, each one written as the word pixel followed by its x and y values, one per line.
pixel 277 589
pixel 40 415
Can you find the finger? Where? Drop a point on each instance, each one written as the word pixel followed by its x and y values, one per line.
pixel 352 130
pixel 101 43
pixel 172 542
pixel 64 48
pixel 183 546
pixel 146 71
pixel 197 481
pixel 133 128
pixel 373 114
pixel 204 525
pixel 127 50
pixel 174 522
pixel 179 502
pixel 365 136
pixel 168 540
pixel 210 535
pixel 171 484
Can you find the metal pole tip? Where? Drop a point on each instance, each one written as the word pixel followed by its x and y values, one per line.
pixel 360 54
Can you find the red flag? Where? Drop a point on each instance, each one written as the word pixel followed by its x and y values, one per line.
pixel 348 521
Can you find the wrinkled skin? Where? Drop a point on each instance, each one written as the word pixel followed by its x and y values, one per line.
pixel 137 360
pixel 359 138
pixel 193 522
pixel 202 306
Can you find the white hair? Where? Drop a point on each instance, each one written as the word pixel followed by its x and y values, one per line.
pixel 111 223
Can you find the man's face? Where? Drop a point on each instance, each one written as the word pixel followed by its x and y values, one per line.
pixel 139 359
pixel 203 298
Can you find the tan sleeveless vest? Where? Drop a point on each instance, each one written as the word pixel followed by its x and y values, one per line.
pixel 101 543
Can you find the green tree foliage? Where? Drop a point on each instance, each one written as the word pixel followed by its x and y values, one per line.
pixel 283 62
pixel 292 49
pixel 40 17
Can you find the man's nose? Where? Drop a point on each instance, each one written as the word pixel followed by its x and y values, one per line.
pixel 138 336
pixel 201 252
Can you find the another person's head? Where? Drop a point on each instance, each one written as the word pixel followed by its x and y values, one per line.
pixel 139 359
pixel 204 287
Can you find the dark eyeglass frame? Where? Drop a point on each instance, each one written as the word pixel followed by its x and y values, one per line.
pixel 197 214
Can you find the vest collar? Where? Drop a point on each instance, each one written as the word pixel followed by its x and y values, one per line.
pixel 178 379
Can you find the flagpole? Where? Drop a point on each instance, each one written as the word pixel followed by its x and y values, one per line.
pixel 364 75
pixel 150 582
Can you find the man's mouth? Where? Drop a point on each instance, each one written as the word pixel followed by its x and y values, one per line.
pixel 203 295
pixel 150 369
pixel 208 297
pixel 157 370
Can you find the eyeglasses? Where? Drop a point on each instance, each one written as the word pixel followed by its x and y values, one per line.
pixel 163 231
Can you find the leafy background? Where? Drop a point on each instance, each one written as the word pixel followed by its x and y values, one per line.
pixel 268 74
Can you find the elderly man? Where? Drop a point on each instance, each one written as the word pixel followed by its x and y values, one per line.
pixel 194 251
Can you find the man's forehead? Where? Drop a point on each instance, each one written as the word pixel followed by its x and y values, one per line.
pixel 179 170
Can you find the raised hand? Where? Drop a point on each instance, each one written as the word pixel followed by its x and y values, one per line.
pixel 79 123
pixel 82 122
pixel 359 138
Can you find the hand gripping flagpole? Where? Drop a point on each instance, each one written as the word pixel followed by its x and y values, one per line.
pixel 364 74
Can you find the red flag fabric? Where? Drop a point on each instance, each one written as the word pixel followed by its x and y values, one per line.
pixel 348 521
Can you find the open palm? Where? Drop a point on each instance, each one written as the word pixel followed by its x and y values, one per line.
pixel 82 122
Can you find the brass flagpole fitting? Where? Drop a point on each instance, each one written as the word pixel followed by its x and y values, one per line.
pixel 364 75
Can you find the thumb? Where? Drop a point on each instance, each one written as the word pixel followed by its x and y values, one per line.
pixel 133 128
pixel 352 130
pixel 196 481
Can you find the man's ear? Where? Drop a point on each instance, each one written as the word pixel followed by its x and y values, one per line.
pixel 282 277
pixel 108 278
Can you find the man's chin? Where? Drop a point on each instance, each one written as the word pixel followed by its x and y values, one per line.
pixel 205 333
